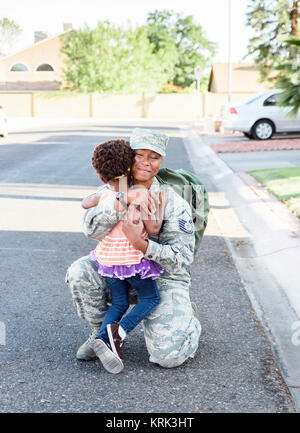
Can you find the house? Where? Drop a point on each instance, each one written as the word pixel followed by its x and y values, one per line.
pixel 38 67
pixel 245 78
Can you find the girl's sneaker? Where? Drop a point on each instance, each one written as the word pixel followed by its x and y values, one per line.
pixel 111 362
pixel 115 340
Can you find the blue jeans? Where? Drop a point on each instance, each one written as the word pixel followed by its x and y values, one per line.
pixel 148 294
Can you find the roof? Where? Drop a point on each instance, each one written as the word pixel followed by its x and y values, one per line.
pixel 245 78
pixel 34 45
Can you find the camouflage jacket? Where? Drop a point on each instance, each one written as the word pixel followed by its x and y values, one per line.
pixel 172 248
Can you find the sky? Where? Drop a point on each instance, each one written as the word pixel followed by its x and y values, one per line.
pixel 49 16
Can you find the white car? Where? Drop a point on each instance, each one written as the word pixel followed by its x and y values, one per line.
pixel 260 116
pixel 3 123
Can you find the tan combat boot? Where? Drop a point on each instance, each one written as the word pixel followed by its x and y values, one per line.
pixel 86 350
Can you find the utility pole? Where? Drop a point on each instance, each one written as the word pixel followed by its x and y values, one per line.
pixel 229 54
pixel 198 75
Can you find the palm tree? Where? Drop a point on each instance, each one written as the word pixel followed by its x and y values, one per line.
pixel 289 78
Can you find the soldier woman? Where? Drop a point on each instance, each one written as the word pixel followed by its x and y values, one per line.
pixel 171 331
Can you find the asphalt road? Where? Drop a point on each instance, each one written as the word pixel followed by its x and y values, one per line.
pixel 43 176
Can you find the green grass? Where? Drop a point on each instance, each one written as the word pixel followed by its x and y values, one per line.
pixel 284 183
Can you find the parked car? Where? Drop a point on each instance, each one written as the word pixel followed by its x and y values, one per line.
pixel 3 123
pixel 260 116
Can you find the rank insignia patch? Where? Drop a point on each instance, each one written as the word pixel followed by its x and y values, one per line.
pixel 185 223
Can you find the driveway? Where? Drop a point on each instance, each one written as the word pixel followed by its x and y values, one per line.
pixel 242 154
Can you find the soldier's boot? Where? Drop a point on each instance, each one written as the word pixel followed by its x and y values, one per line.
pixel 86 350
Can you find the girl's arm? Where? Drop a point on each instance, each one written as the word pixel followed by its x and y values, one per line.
pixel 90 201
pixel 100 219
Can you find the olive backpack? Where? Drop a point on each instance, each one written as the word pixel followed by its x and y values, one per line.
pixel 196 195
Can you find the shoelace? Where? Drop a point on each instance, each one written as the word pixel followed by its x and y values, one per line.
pixel 121 342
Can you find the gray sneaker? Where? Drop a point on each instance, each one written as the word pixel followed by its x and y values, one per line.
pixel 111 362
pixel 86 350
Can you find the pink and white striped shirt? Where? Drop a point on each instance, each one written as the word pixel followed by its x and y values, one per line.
pixel 115 248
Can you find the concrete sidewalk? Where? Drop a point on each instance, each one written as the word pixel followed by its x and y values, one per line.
pixel 264 240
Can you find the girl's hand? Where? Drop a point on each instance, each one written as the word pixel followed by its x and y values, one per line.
pixel 160 201
pixel 133 227
pixel 138 195
pixel 154 219
pixel 157 204
pixel 90 201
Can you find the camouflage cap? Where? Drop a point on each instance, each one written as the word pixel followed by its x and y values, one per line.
pixel 146 139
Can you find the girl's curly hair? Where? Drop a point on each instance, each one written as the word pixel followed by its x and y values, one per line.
pixel 112 158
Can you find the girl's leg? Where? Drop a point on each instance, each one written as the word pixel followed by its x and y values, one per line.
pixel 120 304
pixel 149 299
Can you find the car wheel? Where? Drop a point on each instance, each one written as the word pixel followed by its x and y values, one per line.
pixel 263 130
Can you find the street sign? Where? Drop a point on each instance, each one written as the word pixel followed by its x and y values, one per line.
pixel 198 72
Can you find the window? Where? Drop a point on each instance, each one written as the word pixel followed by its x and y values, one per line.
pixel 271 101
pixel 19 67
pixel 45 67
pixel 253 99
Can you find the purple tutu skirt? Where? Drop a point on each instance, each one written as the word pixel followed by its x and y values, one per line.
pixel 145 269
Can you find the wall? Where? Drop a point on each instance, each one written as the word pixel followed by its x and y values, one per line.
pixel 156 106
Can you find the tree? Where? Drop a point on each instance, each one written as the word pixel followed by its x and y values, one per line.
pixel 111 59
pixel 289 79
pixel 181 43
pixel 272 21
pixel 9 34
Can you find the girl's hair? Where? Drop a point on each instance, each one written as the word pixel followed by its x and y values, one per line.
pixel 113 158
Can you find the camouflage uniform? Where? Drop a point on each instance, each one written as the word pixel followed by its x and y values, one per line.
pixel 171 331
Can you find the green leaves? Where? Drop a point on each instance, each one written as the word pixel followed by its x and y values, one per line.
pixel 183 43
pixel 289 79
pixel 112 59
pixel 9 33
pixel 272 22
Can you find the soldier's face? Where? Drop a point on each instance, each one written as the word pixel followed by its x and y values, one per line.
pixel 146 165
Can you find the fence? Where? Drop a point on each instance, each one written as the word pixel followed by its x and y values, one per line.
pixel 156 106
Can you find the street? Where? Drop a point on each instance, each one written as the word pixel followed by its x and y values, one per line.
pixel 44 175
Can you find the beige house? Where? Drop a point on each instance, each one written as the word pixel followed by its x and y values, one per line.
pixel 35 68
pixel 245 78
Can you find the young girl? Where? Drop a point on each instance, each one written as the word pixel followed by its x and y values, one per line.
pixel 117 260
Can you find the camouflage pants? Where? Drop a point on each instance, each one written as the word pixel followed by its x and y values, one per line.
pixel 171 331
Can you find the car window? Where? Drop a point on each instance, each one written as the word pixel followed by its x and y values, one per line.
pixel 271 101
pixel 253 99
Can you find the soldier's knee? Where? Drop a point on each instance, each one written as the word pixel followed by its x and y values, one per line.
pixel 72 273
pixel 76 271
pixel 170 362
